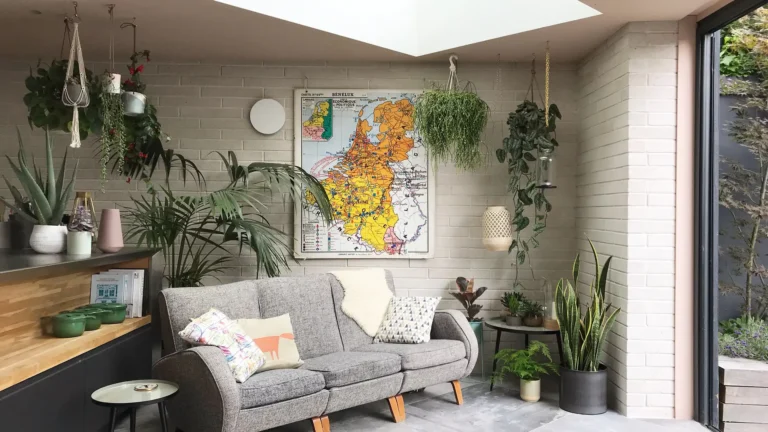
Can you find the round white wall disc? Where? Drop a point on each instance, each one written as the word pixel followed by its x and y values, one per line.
pixel 267 116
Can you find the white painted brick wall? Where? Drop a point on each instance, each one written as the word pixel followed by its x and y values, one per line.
pixel 204 107
pixel 626 203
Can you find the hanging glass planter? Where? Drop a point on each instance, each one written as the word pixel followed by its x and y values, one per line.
pixel 546 170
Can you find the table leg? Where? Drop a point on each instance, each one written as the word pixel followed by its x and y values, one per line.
pixel 163 419
pixel 495 351
pixel 112 419
pixel 560 347
pixel 133 419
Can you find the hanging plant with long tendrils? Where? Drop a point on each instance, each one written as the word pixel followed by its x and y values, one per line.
pixel 531 131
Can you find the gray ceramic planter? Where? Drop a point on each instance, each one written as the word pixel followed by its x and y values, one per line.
pixel 584 392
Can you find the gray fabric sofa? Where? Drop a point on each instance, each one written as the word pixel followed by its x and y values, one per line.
pixel 343 367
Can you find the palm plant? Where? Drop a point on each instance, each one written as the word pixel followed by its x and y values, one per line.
pixel 583 338
pixel 194 231
pixel 47 197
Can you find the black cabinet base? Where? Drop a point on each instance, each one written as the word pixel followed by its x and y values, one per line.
pixel 60 399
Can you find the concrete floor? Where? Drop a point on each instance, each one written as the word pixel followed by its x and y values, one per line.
pixel 434 410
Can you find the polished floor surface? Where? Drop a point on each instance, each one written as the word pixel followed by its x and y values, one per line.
pixel 434 410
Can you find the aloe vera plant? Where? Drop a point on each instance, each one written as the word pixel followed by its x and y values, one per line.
pixel 583 338
pixel 47 197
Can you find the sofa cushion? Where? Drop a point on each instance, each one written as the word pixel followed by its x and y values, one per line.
pixel 419 356
pixel 274 386
pixel 344 368
pixel 351 334
pixel 309 302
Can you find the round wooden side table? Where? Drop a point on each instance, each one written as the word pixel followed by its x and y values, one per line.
pixel 502 327
pixel 133 394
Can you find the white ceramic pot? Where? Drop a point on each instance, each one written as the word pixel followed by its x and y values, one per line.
pixel 112 83
pixel 48 239
pixel 79 243
pixel 133 103
pixel 530 391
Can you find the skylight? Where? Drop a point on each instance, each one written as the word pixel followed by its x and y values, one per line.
pixel 421 27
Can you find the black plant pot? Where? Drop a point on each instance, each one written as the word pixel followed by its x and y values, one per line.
pixel 584 392
pixel 21 230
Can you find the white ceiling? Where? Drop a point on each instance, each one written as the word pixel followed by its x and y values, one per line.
pixel 208 31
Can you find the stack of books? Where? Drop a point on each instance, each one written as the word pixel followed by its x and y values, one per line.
pixel 120 286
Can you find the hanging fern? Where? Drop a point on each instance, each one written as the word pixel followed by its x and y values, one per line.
pixel 451 125
pixel 528 135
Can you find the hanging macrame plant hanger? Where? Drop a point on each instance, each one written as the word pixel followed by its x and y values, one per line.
pixel 75 92
pixel 545 161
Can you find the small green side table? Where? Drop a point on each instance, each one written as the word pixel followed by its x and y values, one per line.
pixel 477 327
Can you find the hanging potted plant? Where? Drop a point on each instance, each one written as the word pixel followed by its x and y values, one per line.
pixel 48 196
pixel 451 123
pixel 584 380
pixel 112 130
pixel 134 99
pixel 523 364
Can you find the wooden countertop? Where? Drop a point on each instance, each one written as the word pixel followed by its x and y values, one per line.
pixel 41 353
pixel 20 265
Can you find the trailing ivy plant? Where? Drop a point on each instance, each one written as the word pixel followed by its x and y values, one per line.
pixel 112 132
pixel 451 123
pixel 528 135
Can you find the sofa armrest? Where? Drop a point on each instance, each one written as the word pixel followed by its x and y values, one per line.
pixel 208 398
pixel 451 324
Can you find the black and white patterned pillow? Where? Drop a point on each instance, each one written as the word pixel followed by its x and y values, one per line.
pixel 408 320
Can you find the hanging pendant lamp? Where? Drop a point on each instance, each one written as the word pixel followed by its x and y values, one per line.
pixel 497 229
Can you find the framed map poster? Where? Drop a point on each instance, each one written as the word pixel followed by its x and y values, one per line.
pixel 362 146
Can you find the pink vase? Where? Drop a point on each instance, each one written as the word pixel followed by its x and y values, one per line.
pixel 110 231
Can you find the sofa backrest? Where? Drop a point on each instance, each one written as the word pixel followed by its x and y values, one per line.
pixel 309 302
pixel 352 335
pixel 179 305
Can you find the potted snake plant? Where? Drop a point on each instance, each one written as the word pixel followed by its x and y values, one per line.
pixel 48 196
pixel 583 379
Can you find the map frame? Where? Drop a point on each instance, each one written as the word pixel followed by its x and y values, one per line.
pixel 297 138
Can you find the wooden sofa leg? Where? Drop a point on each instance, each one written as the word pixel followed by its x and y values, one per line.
pixel 321 424
pixel 397 408
pixel 457 392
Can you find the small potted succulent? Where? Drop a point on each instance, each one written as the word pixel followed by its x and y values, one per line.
pixel 523 364
pixel 49 197
pixel 134 100
pixel 511 303
pixel 533 313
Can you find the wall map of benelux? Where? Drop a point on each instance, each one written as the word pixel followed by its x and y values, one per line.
pixel 362 146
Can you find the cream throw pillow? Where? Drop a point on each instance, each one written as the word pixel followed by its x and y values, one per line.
pixel 274 337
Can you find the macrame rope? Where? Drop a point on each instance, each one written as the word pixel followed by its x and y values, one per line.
pixel 546 88
pixel 82 99
pixel 453 77
pixel 66 38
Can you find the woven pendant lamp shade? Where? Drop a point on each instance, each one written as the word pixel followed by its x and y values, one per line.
pixel 497 229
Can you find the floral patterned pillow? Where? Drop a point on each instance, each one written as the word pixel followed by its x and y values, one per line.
pixel 214 328
pixel 408 320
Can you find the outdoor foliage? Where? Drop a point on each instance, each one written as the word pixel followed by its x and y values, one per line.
pixel 743 189
pixel 528 135
pixel 583 338
pixel 736 56
pixel 523 363
pixel 744 337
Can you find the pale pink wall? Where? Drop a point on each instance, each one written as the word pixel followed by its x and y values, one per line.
pixel 684 209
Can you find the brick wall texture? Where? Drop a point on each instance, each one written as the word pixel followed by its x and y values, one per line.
pixel 615 176
pixel 626 205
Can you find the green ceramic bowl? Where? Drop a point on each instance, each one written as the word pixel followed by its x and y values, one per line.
pixel 67 325
pixel 116 313
pixel 93 317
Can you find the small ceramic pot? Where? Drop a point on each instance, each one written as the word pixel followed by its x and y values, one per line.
pixel 90 310
pixel 92 322
pixel 5 235
pixel 533 320
pixel 116 313
pixel 530 391
pixel 67 325
pixel 21 231
pixel 112 83
pixel 76 94
pixel 513 320
pixel 48 239
pixel 110 231
pixel 79 243
pixel 133 103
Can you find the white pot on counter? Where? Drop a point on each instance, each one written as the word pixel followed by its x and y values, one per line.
pixel 48 239
pixel 530 391
pixel 79 243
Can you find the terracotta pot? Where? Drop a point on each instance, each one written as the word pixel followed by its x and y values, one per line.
pixel 530 391
pixel 110 231
pixel 48 239
pixel 533 321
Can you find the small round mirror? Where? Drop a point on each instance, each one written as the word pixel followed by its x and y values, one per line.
pixel 267 116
